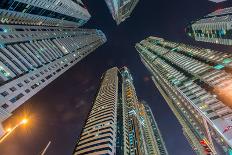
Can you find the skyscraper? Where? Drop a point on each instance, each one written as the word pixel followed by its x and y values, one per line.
pixel 197 84
pixel 217 1
pixel 39 40
pixel 153 139
pixel 117 123
pixel 130 105
pixel 43 12
pixel 216 27
pixel 121 9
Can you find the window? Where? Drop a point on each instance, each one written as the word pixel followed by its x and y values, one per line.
pixel 32 77
pixel 13 100
pixel 4 106
pixel 20 84
pixel 209 111
pixel 13 89
pixel 214 117
pixel 58 70
pixel 26 81
pixel 5 93
pixel 27 90
pixel 19 29
pixel 35 85
pixel 48 77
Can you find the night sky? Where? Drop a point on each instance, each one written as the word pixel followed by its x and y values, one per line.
pixel 57 113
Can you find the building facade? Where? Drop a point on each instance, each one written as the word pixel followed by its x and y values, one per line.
pixel 100 131
pixel 197 84
pixel 153 138
pixel 32 58
pixel 71 13
pixel 121 9
pixel 117 123
pixel 39 40
pixel 217 1
pixel 216 27
pixel 137 145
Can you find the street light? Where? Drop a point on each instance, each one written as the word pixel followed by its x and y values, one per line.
pixel 10 130
pixel 24 121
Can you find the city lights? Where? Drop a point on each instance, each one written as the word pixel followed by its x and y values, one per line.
pixel 224 92
pixel 24 121
pixel 41 40
pixel 211 27
pixel 135 128
pixel 198 86
pixel 8 131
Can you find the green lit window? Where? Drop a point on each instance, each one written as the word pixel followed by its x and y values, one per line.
pixel 227 60
pixel 218 67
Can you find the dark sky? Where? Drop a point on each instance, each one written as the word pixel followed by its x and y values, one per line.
pixel 57 113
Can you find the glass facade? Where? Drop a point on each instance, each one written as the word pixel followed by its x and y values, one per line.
pixel 27 8
pixel 42 12
pixel 129 127
pixel 39 41
pixel 33 57
pixel 121 9
pixel 196 83
pixel 214 28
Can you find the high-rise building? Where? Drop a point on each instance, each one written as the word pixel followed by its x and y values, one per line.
pixel 217 1
pixel 216 27
pixel 117 123
pixel 197 85
pixel 32 57
pixel 100 131
pixel 131 107
pixel 121 9
pixel 153 139
pixel 39 40
pixel 43 12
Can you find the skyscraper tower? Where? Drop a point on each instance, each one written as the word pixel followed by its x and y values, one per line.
pixel 117 123
pixel 216 27
pixel 39 40
pixel 43 12
pixel 121 9
pixel 153 138
pixel 217 1
pixel 197 84
pixel 137 145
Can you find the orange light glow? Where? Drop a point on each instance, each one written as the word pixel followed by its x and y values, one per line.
pixel 8 129
pixel 24 121
pixel 224 92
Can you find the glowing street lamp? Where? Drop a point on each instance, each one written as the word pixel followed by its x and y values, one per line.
pixel 10 130
pixel 24 121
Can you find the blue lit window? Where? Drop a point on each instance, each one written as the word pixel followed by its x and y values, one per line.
pixel 218 66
